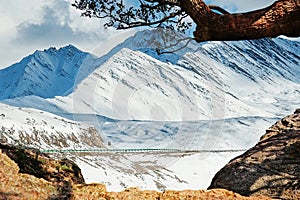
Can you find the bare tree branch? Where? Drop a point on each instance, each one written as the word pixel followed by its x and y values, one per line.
pixel 138 24
pixel 188 39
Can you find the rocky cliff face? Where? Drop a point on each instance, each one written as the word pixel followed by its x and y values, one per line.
pixel 271 167
pixel 28 174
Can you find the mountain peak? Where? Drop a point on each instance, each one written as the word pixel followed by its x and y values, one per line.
pixel 53 50
pixel 69 47
pixel 44 73
pixel 149 41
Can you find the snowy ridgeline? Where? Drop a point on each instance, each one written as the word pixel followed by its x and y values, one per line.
pixel 218 96
pixel 214 81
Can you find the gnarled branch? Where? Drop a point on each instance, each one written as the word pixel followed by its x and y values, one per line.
pixel 280 18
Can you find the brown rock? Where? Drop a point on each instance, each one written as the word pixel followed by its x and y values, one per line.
pixel 270 168
pixel 133 194
pixel 219 194
pixel 137 194
pixel 14 185
pixel 40 165
pixel 89 191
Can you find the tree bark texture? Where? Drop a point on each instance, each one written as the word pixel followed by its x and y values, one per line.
pixel 281 18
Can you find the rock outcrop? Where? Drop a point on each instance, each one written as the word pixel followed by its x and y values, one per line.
pixel 28 174
pixel 271 168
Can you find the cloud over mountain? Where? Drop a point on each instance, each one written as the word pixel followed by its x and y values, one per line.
pixel 56 26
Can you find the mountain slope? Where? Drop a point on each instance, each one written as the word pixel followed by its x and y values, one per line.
pixel 34 128
pixel 133 85
pixel 47 73
pixel 263 60
pixel 218 80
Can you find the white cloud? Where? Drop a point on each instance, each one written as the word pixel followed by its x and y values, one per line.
pixel 27 26
pixel 55 28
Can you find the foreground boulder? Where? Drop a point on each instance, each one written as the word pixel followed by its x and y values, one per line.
pixel 271 167
pixel 28 174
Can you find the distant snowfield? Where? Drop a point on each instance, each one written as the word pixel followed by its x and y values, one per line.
pixel 236 133
pixel 215 96
pixel 160 171
pixel 177 171
pixel 152 170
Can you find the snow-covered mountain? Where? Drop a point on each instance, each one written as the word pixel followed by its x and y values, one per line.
pixel 46 74
pixel 203 97
pixel 218 80
pixel 264 60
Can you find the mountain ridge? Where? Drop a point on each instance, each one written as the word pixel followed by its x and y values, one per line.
pixel 47 73
pixel 210 75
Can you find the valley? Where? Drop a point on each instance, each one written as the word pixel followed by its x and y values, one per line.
pixel 218 96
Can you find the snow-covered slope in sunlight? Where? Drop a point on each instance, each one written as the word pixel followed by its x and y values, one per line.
pixel 218 80
pixel 47 73
pixel 264 60
pixel 133 85
pixel 38 129
pixel 270 69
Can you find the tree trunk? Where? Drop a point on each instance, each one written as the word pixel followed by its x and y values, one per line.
pixel 281 18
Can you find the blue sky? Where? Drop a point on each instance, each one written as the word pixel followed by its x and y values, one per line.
pixel 240 5
pixel 36 24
